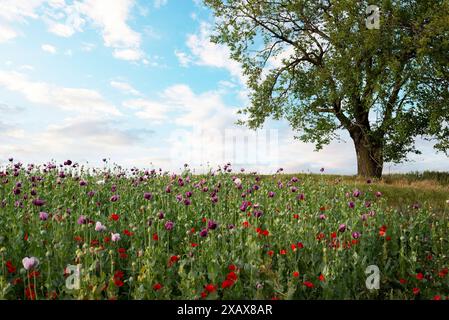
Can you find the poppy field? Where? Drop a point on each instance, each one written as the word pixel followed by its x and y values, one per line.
pixel 148 234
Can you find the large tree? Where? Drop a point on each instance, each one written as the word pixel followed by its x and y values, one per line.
pixel 320 66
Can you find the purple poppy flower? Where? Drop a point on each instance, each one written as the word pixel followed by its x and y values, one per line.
pixel 179 197
pixel 189 194
pixel 322 216
pixel 161 215
pixel 113 188
pixel 83 183
pixel 293 189
pixel 231 226
pixel 167 189
pixel 169 225
pixel 115 237
pixel 82 220
pixel 115 198
pixel 356 235
pixel 30 263
pixel 271 194
pixel 33 192
pixel 91 193
pixel 378 194
pixel 211 224
pixel 203 233
pixel 300 196
pixel 147 196
pixel 16 191
pixel 356 193
pixel 43 216
pixel 294 179
pixel 187 202
pixel 351 205
pixel 342 228
pixel 38 202
pixel 364 217
pixel 257 213
pixel 100 227
pixel 322 170
pixel 214 199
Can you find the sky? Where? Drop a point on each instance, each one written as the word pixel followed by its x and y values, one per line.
pixel 138 82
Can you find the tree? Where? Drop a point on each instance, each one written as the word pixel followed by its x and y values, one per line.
pixel 318 64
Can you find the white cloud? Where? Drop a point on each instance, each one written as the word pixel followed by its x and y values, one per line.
pixel 128 54
pixel 207 53
pixel 61 29
pixel 148 110
pixel 19 10
pixel 125 87
pixel 77 100
pixel 6 33
pixel 160 3
pixel 183 58
pixel 48 48
pixel 87 47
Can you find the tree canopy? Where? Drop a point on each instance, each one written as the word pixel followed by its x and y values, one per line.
pixel 318 65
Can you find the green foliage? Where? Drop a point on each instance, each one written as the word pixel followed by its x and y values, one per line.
pixel 315 63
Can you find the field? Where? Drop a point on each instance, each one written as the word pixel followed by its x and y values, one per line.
pixel 228 235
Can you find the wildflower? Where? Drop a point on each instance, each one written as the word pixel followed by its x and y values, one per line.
pixel 382 230
pixel 378 194
pixel 157 287
pixel 38 202
pixel 308 284
pixel 147 196
pixel 419 276
pixel 227 284
pixel 128 233
pixel 43 216
pixel 321 278
pixel 203 233
pixel 322 216
pixel 270 253
pixel 342 227
pixel 82 220
pixel 115 237
pixel 99 227
pixel 232 267
pixel 169 225
pixel 351 205
pixel 210 288
pixel 296 274
pixel 271 194
pixel 11 268
pixel 212 225
pixel 356 235
pixel 257 213
pixel 30 263
pixel 155 237
pixel 416 291
pixel 114 198
pixel 402 281
pixel 115 217
pixel 436 298
pixel 283 252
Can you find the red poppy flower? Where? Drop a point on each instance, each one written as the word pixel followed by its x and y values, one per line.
pixel 94 242
pixel 107 239
pixel 227 284
pixel 118 282
pixel 204 294
pixel 321 277
pixel 300 245
pixel 323 208
pixel 270 253
pixel 265 233
pixel 78 239
pixel 192 230
pixel 26 236
pixel 382 230
pixel 204 220
pixel 157 287
pixel 30 293
pixel 119 274
pixel 33 274
pixel 155 237
pixel 115 217
pixel 402 281
pixel 11 268
pixel 258 230
pixel 320 236
pixel 194 244
pixel 210 288
pixel 308 284
pixel 388 238
pixel 296 274
pixel 128 233
pixel 420 276
pixel 246 224
pixel 437 298
pixel 333 235
pixel 416 291
pixel 231 276
pixel 232 267
pixel 296 216
pixel 283 252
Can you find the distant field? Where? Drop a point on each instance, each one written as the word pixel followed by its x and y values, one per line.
pixel 145 235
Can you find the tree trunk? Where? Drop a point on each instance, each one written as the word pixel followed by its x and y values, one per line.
pixel 369 156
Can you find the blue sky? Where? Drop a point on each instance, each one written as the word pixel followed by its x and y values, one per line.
pixel 140 83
